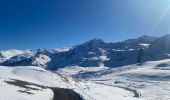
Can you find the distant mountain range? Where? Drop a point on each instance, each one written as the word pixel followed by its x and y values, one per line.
pixel 95 52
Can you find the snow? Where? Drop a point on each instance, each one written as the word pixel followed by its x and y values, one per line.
pixel 118 50
pixel 55 50
pixel 91 53
pixel 41 60
pixel 144 45
pixel 30 74
pixel 147 81
pixel 103 58
pixel 62 49
pixel 11 53
pixel 72 70
pixel 7 54
pixel 103 92
pixel 10 92
pixel 131 49
pixel 88 89
pixel 150 81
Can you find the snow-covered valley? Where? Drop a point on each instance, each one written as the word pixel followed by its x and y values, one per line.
pixel 87 89
pixel 147 81
pixel 135 69
pixel 84 49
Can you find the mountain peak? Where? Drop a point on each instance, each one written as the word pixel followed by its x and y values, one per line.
pixel 96 40
pixel 93 43
pixel 167 35
pixel 142 38
pixel 146 36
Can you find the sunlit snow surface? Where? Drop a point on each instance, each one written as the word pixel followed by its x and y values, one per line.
pixel 148 81
pixel 89 90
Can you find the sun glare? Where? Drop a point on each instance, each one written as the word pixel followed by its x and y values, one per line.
pixel 165 5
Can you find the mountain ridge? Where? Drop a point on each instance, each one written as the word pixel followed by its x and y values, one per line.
pixel 95 52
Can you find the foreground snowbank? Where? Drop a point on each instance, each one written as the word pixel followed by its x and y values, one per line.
pixel 87 89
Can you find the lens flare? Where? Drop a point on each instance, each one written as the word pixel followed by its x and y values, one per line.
pixel 162 15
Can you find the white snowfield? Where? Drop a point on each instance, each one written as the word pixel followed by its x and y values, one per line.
pixel 41 60
pixel 7 54
pixel 148 81
pixel 87 89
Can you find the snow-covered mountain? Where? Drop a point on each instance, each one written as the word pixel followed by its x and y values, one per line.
pixel 35 83
pixel 95 52
pixel 7 54
pixel 147 81
pixel 135 69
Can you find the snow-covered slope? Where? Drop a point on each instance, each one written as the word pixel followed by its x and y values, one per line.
pixel 148 81
pixel 95 52
pixel 35 75
pixel 7 54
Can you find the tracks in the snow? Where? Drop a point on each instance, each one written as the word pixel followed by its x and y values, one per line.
pixel 135 92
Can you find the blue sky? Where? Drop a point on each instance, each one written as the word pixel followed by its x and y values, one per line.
pixel 32 24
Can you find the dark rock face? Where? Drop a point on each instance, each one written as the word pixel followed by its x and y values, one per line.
pixel 118 54
pixel 96 52
pixel 65 94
